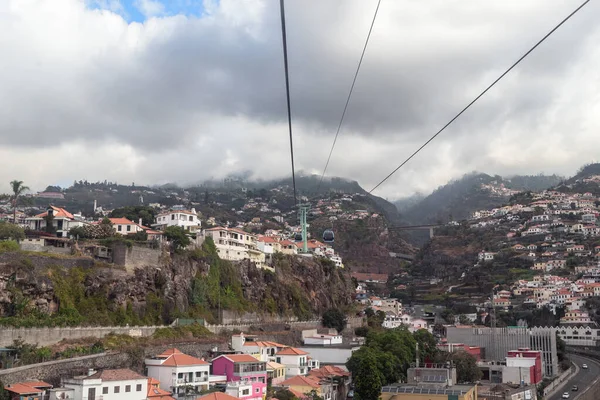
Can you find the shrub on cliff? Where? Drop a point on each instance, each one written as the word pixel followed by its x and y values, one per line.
pixel 334 318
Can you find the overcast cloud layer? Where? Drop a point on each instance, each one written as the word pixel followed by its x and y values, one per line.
pixel 88 93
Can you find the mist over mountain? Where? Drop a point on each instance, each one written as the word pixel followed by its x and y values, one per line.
pixel 459 198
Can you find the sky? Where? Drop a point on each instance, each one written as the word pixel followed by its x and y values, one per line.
pixel 151 91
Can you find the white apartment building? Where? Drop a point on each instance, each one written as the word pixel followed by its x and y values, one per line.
pixel 295 361
pixel 235 244
pixel 186 219
pixel 263 350
pixel 177 371
pixel 110 384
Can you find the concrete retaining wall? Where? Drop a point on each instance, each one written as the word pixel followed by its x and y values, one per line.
pixel 49 336
pixel 134 256
pixel 52 371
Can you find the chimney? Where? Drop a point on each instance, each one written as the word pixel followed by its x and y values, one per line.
pixel 193 210
pixel 95 205
pixel 91 372
pixel 140 222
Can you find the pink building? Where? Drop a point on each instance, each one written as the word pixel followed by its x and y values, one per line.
pixel 243 368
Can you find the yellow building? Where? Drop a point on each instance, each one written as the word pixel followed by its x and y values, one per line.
pixel 411 392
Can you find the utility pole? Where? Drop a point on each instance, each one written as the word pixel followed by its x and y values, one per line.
pixel 303 211
pixel 493 324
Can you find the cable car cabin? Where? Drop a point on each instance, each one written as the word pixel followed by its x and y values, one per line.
pixel 328 236
pixel 298 237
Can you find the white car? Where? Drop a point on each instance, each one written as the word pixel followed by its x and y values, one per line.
pixel 584 366
pixel 565 395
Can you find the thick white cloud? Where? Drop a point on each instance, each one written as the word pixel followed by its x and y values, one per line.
pixel 86 95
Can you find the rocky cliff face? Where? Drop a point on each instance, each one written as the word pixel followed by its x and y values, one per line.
pixel 65 291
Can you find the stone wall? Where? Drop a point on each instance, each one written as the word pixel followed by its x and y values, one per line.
pixel 42 261
pixel 53 371
pixel 134 256
pixel 353 322
pixel 49 336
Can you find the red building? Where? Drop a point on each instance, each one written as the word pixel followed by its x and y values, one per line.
pixel 527 358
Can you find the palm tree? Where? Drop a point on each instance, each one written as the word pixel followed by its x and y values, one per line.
pixel 18 189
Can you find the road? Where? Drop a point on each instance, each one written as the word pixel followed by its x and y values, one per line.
pixel 584 378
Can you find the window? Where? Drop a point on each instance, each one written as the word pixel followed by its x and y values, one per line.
pixel 245 392
pixel 180 375
pixel 117 389
pixel 128 228
pixel 198 374
pixel 172 216
pixel 191 218
pixel 127 388
pixel 138 387
pixel 105 390
pixel 257 390
pixel 119 228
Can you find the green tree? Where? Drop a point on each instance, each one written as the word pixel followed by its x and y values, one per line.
pixel 466 365
pixel 427 345
pixel 18 189
pixel 334 318
pixel 367 377
pixel 284 394
pixel 11 231
pixel 463 320
pixel 140 236
pixel 177 236
pixel 134 213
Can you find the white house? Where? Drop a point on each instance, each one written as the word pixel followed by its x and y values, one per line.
pixel 235 244
pixel 123 226
pixel 177 371
pixel 62 221
pixel 323 340
pixel 186 219
pixel 486 256
pixel 110 384
pixel 295 361
pixel 263 350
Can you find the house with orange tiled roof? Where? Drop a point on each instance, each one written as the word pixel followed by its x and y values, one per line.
pixel 124 226
pixel 243 372
pixel 263 350
pixel 109 384
pixel 62 221
pixel 295 361
pixel 156 393
pixel 176 372
pixel 305 385
pixel 28 390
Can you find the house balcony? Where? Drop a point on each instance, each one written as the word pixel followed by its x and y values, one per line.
pixel 194 381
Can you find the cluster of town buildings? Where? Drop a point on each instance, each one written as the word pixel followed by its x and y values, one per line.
pixel 244 372
pixel 232 243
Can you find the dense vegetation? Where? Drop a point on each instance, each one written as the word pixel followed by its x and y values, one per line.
pixel 388 353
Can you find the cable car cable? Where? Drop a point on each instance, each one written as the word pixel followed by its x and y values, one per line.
pixel 349 96
pixel 287 92
pixel 480 95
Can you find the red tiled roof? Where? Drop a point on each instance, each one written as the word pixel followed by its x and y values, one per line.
pixel 291 351
pixel 58 213
pixel 241 358
pixel 300 380
pixel 177 358
pixel 123 374
pixel 28 387
pixel 154 392
pixel 328 371
pixel 264 344
pixel 217 396
pixel 121 221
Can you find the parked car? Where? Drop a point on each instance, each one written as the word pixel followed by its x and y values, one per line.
pixel 584 366
pixel 575 388
pixel 565 395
